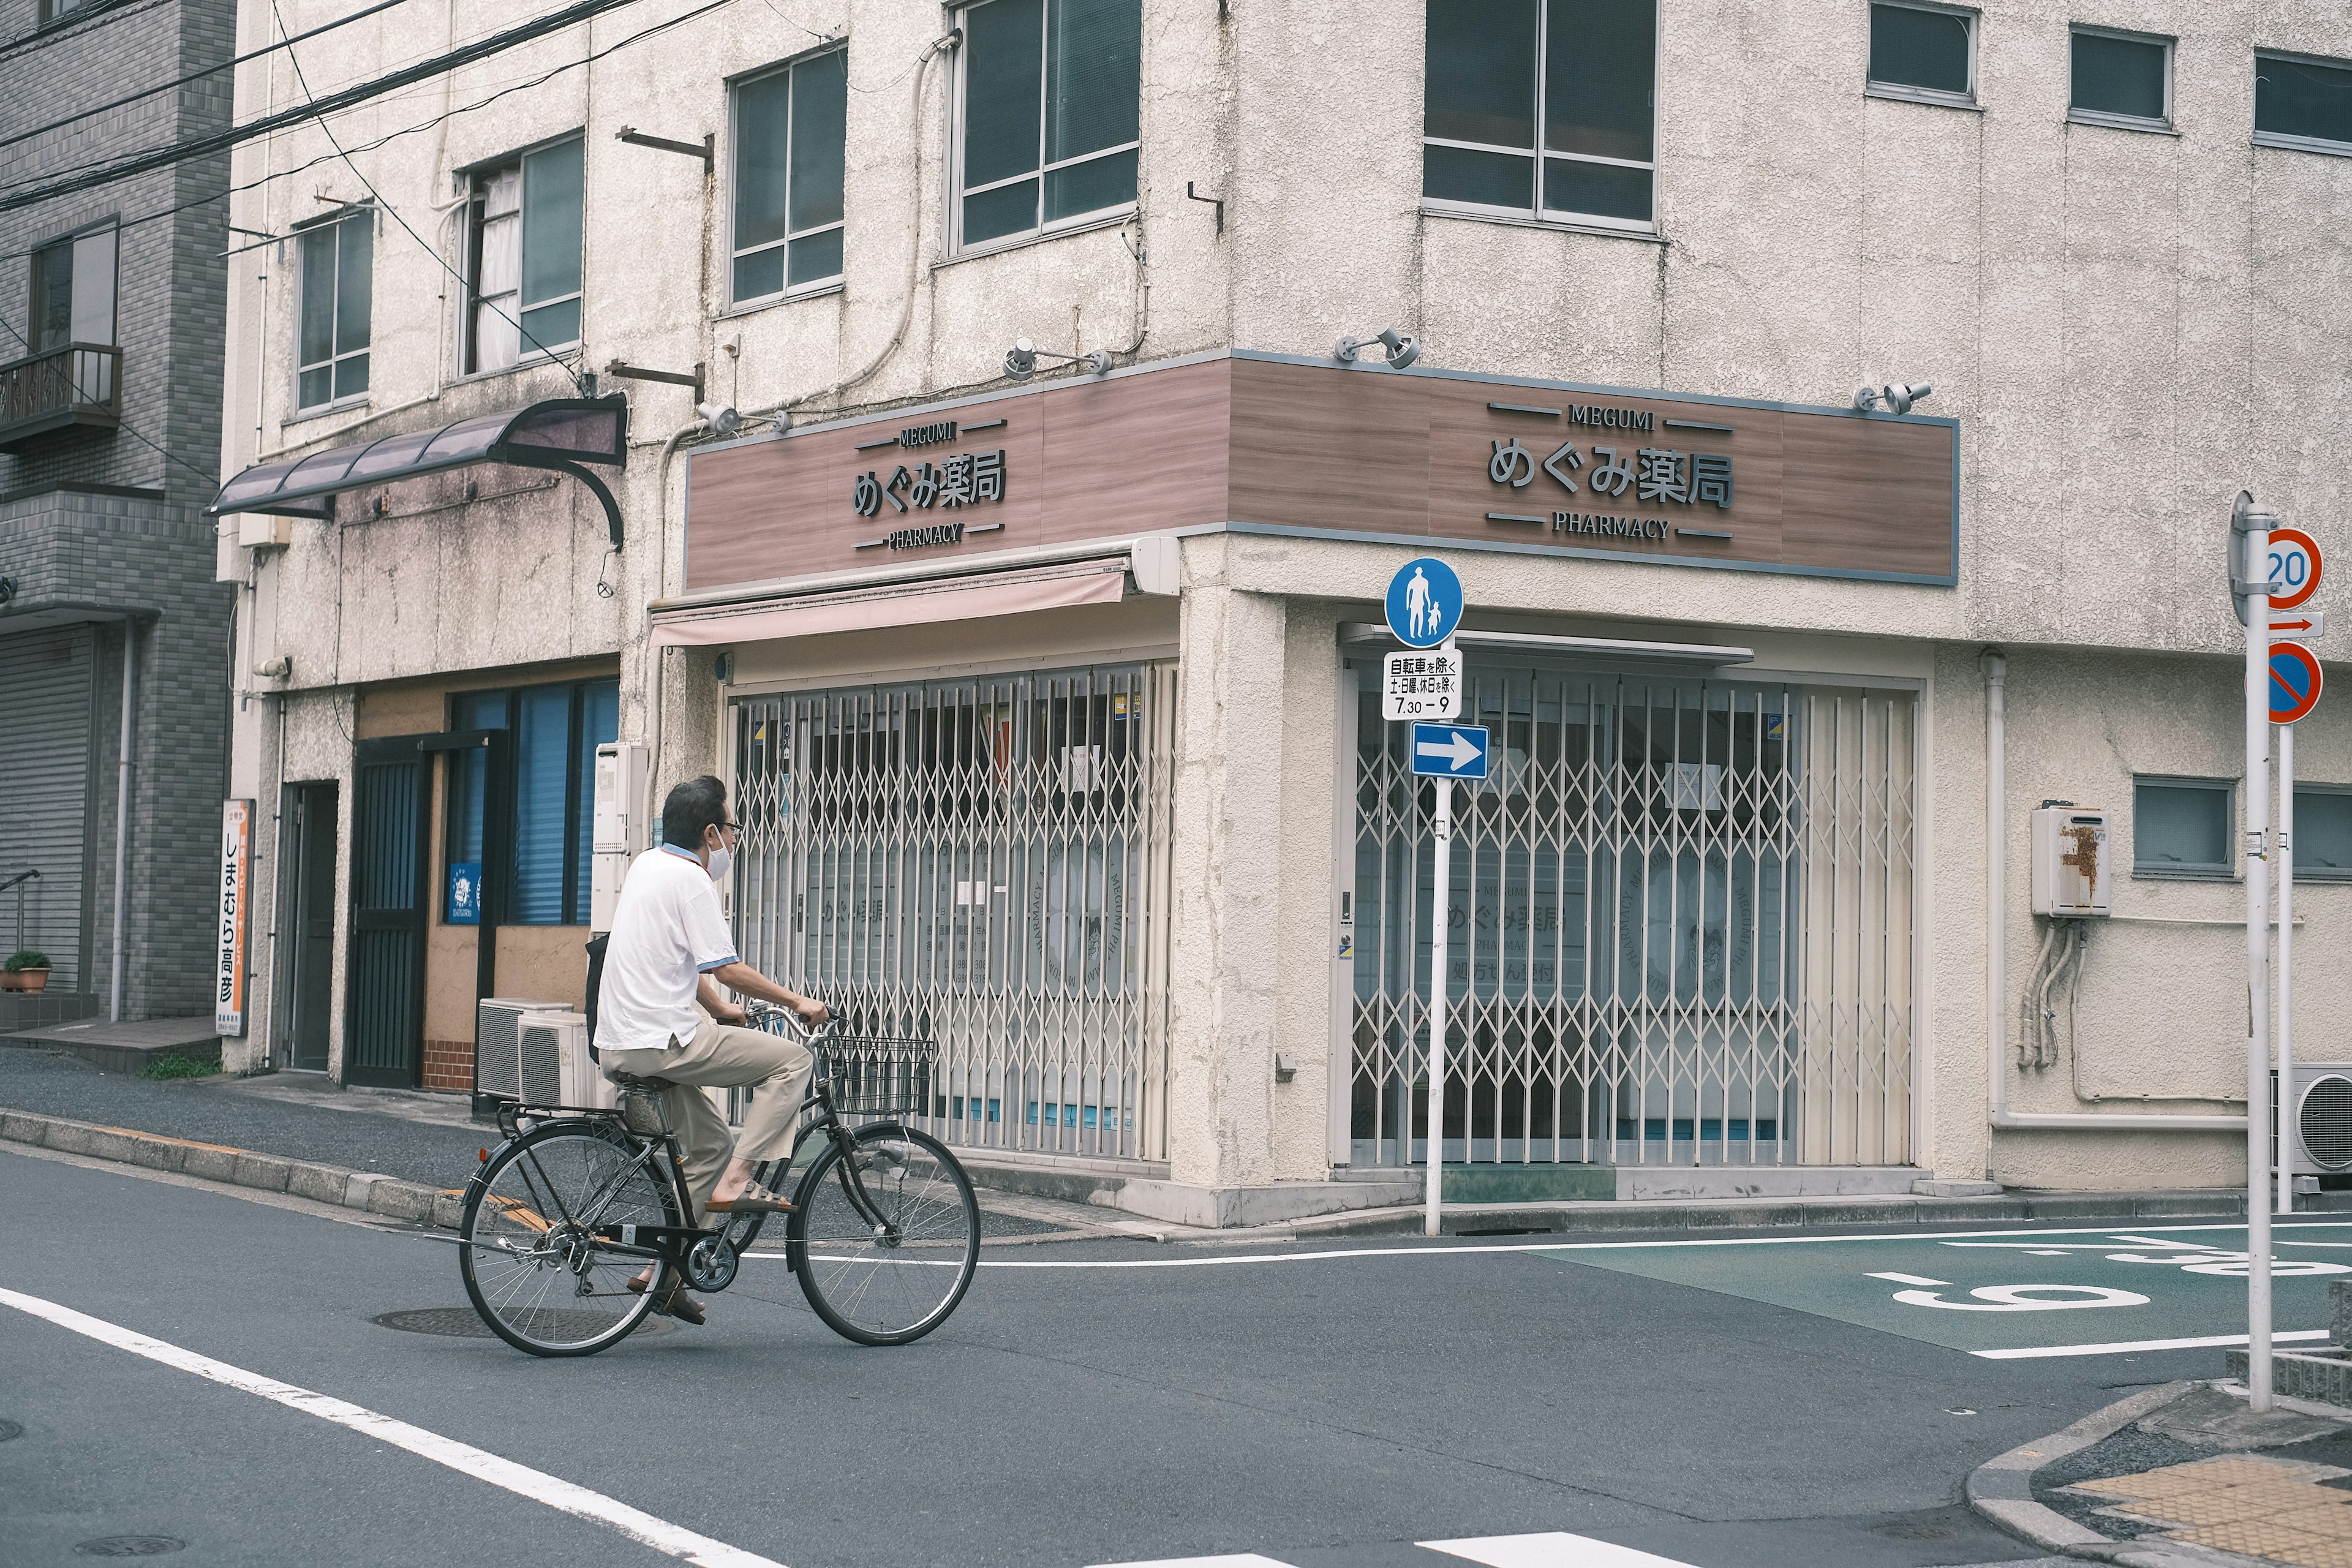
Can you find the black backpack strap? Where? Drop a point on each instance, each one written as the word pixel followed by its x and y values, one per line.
pixel 595 981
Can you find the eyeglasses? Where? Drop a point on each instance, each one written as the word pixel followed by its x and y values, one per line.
pixel 731 826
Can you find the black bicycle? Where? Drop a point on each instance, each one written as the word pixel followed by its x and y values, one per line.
pixel 566 1216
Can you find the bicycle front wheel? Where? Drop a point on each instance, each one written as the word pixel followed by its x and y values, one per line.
pixel 885 1243
pixel 532 1264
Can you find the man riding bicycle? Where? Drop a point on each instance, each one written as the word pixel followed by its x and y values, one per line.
pixel 670 948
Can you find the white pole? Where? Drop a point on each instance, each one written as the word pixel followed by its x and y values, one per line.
pixel 122 814
pixel 2286 959
pixel 2258 958
pixel 1441 907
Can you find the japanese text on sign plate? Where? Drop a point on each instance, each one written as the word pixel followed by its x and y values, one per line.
pixel 1653 473
pixel 958 480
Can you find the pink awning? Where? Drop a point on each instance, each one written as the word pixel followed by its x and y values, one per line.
pixel 897 605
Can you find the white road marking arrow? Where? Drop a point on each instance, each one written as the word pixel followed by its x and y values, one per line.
pixel 1459 752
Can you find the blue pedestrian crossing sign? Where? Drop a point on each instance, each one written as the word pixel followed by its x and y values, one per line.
pixel 1425 601
pixel 1450 751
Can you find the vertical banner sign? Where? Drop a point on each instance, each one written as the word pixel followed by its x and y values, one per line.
pixel 235 869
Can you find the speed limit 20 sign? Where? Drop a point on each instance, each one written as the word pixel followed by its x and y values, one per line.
pixel 2294 567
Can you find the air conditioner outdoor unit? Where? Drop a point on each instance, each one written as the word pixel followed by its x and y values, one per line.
pixel 498 1056
pixel 553 1048
pixel 2318 1132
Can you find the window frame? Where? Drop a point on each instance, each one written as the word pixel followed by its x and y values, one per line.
pixel 2223 870
pixel 1077 223
pixel 2282 139
pixel 832 282
pixel 2320 874
pixel 2077 116
pixel 363 212
pixel 1538 215
pixel 527 354
pixel 1902 92
pixel 579 830
pixel 67 242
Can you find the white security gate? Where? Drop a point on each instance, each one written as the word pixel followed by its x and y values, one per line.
pixel 1681 930
pixel 984 863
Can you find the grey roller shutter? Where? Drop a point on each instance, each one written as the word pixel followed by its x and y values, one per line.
pixel 45 693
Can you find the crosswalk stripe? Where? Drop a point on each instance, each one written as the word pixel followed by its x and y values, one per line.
pixel 1552 1548
pixel 1243 1560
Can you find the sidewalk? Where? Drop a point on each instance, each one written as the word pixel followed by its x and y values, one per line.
pixel 2185 1474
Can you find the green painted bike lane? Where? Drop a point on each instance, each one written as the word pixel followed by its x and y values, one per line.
pixel 2014 1293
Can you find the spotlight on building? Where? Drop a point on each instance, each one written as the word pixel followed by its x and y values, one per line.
pixel 1021 360
pixel 1893 398
pixel 721 417
pixel 1402 348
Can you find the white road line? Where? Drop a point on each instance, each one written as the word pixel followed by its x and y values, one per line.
pixel 520 1479
pixel 1561 1247
pixel 1243 1560
pixel 1553 1549
pixel 2032 1352
pixel 1909 1279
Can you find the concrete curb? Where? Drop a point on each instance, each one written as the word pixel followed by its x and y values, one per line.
pixel 369 1191
pixel 1761 1214
pixel 2001 1489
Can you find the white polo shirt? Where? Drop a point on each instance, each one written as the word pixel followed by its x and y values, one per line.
pixel 668 932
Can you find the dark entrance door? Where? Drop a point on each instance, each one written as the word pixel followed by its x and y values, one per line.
pixel 383 1026
pixel 307 929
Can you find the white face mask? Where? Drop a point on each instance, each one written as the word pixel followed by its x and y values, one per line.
pixel 720 859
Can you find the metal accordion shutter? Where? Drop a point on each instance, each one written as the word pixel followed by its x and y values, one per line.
pixel 45 779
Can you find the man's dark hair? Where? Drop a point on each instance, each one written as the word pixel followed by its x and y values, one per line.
pixel 692 806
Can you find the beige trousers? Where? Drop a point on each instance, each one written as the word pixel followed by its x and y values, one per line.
pixel 721 1056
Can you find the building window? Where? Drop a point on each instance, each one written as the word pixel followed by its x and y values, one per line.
pixel 338 268
pixel 2303 103
pixel 2323 832
pixel 1049 115
pixel 2181 828
pixel 73 292
pixel 2122 79
pixel 791 129
pixel 556 730
pixel 1925 53
pixel 1585 71
pixel 53 10
pixel 522 258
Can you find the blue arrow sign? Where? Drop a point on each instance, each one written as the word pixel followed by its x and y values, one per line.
pixel 1450 751
pixel 1425 601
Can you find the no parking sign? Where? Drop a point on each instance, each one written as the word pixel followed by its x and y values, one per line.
pixel 2295 681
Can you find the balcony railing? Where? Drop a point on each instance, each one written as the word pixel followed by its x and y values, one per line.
pixel 80 383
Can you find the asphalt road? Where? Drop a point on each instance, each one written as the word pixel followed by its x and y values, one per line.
pixel 1319 1411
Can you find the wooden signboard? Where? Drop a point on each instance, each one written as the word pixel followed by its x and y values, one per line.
pixel 1265 442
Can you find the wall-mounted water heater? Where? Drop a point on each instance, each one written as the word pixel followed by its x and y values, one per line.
pixel 622 825
pixel 2072 868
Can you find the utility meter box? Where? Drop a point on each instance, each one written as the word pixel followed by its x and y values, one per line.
pixel 2073 870
pixel 622 825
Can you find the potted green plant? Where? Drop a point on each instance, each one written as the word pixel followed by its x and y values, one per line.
pixel 24 970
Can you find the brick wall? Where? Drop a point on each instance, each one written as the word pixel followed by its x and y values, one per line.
pixel 450 1064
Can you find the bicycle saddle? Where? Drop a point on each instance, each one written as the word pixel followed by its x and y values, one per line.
pixel 630 1080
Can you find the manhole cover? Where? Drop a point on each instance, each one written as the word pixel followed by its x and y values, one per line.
pixel 130 1546
pixel 465 1323
pixel 10 1430
pixel 1915 1532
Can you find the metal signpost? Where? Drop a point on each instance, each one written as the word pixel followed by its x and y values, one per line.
pixel 2272 570
pixel 1425 605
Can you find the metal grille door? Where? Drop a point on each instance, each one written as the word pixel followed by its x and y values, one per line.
pixel 1681 927
pixel 984 863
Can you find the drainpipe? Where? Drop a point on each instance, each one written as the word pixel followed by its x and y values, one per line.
pixel 1996 672
pixel 123 811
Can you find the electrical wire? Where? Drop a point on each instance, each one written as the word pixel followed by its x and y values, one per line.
pixel 345 98
pixel 469 292
pixel 196 76
pixel 517 86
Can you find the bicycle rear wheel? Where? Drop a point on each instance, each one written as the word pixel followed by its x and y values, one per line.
pixel 533 1266
pixel 892 1278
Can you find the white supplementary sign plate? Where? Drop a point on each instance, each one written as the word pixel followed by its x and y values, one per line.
pixel 1422 684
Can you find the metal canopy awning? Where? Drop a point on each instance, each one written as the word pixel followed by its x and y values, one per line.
pixel 559 433
pixel 1711 656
